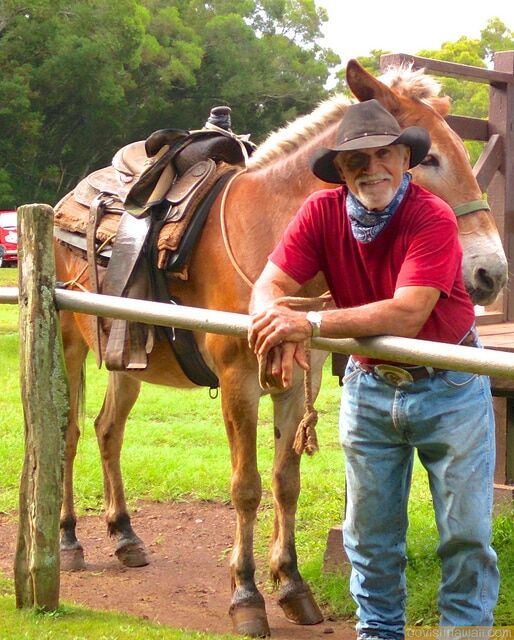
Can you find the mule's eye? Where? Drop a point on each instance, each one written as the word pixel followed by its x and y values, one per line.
pixel 430 161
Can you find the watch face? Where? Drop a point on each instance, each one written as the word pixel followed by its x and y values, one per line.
pixel 314 317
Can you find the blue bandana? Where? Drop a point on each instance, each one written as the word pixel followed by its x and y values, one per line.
pixel 366 225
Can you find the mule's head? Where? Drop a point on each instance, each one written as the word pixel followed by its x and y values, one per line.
pixel 412 98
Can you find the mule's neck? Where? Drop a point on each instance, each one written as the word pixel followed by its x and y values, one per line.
pixel 264 200
pixel 285 183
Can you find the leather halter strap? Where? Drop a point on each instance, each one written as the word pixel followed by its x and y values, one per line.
pixel 470 207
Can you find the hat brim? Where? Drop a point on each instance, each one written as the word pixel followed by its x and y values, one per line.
pixel 416 138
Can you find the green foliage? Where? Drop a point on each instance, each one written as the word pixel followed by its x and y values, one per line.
pixel 468 98
pixel 81 78
pixel 496 37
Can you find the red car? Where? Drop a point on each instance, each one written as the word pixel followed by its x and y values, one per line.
pixel 8 239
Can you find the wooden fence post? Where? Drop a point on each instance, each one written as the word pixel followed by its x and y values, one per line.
pixel 45 408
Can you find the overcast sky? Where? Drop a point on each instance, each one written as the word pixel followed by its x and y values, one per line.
pixel 357 26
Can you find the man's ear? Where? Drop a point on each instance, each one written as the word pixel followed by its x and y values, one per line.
pixel 339 166
pixel 406 157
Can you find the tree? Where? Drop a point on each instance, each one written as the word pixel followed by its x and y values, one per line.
pixel 496 37
pixel 80 78
pixel 468 98
pixel 270 67
pixel 71 64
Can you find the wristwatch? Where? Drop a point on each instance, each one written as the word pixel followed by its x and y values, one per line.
pixel 314 318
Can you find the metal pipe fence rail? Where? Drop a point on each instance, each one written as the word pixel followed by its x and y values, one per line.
pixel 45 400
pixel 407 350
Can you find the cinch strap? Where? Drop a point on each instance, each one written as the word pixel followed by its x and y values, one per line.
pixel 469 207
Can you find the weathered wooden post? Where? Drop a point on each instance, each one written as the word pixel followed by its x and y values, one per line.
pixel 45 407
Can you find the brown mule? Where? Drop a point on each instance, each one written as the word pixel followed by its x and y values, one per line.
pixel 255 211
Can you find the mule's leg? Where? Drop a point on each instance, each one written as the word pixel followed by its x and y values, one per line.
pixel 295 597
pixel 240 400
pixel 122 392
pixel 75 351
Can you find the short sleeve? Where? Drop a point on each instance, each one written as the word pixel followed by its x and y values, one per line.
pixel 434 254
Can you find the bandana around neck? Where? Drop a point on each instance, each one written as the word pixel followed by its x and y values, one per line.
pixel 366 225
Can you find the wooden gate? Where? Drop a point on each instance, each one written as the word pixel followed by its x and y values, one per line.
pixel 494 172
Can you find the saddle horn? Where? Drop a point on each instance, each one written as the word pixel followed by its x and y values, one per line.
pixel 157 139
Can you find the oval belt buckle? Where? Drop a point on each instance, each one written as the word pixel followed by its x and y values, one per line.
pixel 393 375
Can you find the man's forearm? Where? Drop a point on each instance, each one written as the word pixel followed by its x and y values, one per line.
pixel 271 284
pixel 263 296
pixel 404 315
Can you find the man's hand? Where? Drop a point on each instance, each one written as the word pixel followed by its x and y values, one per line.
pixel 280 363
pixel 276 325
pixel 277 337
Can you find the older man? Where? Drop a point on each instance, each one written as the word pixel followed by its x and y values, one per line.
pixel 391 256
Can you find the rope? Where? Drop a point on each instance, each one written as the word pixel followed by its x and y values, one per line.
pixel 224 233
pixel 306 439
pixel 69 284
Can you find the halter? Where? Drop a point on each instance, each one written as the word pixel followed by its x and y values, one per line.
pixel 470 207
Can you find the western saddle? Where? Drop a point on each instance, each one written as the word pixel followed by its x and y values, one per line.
pixel 138 221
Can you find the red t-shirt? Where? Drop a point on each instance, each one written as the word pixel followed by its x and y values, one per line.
pixel 419 247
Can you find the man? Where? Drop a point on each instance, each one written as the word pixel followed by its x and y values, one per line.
pixel 391 256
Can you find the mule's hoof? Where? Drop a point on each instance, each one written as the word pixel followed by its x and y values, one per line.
pixel 250 620
pixel 72 559
pixel 300 607
pixel 132 554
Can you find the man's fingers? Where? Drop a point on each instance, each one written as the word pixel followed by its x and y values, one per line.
pixel 274 326
pixel 300 355
pixel 288 350
pixel 257 323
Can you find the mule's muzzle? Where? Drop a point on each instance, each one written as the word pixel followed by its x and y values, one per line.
pixel 486 283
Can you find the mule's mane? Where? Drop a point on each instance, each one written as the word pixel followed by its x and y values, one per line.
pixel 288 139
pixel 401 79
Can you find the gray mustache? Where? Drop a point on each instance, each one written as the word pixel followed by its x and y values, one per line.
pixel 373 178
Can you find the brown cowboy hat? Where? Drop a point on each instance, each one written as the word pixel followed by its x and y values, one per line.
pixel 364 125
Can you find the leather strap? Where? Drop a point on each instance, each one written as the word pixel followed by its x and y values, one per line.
pixel 127 249
pixel 79 242
pixel 130 239
pixel 470 207
pixel 96 212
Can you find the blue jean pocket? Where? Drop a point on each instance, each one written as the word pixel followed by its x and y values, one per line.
pixel 352 371
pixel 458 379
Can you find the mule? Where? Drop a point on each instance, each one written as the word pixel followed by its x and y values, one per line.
pixel 246 222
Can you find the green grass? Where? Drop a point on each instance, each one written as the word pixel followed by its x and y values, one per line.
pixel 175 449
pixel 77 623
pixel 8 277
pixel 8 313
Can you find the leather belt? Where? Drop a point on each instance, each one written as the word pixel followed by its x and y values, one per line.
pixel 396 375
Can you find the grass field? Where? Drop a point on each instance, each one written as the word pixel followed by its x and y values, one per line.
pixel 175 449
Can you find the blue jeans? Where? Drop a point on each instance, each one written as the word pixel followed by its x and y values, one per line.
pixel 449 419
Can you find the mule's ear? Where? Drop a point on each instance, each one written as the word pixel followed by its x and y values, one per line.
pixel 364 86
pixel 441 105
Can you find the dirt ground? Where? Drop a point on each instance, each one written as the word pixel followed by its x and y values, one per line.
pixel 186 584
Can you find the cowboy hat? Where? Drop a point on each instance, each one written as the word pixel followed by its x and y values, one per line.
pixel 364 125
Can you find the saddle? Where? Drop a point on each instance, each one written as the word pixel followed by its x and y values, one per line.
pixel 137 221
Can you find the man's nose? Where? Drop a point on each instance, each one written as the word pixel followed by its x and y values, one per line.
pixel 372 163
